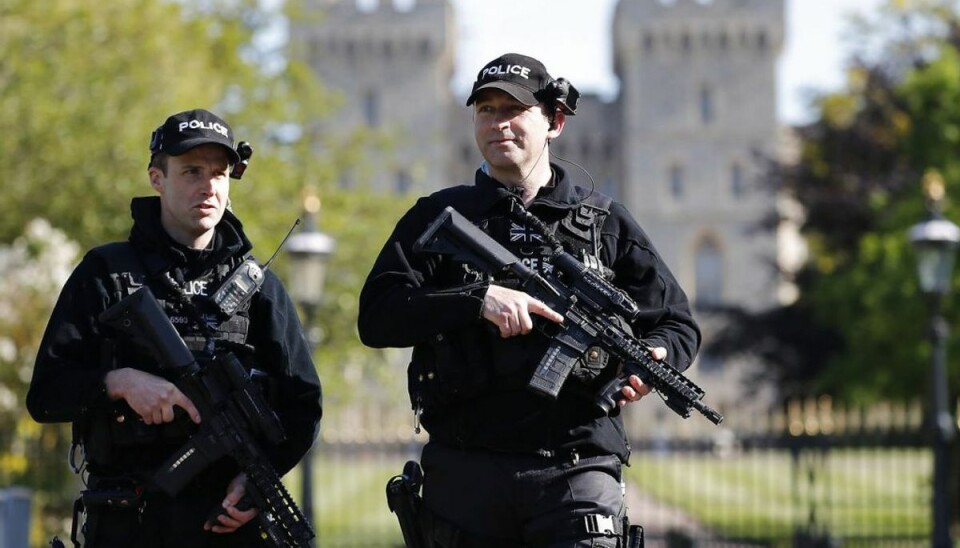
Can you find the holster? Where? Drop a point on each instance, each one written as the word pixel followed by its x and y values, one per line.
pixel 632 534
pixel 104 493
pixel 403 499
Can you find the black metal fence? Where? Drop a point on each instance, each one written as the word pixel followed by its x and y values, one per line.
pixel 807 476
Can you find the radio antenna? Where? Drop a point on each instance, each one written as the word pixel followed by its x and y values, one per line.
pixel 279 247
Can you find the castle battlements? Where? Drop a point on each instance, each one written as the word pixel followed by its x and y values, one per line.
pixel 691 9
pixel 347 30
pixel 664 26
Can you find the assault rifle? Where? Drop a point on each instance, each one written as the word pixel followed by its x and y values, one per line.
pixel 234 416
pixel 590 307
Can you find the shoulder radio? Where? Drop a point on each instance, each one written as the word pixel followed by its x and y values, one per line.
pixel 244 281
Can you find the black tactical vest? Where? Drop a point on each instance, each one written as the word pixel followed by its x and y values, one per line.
pixel 456 366
pixel 111 436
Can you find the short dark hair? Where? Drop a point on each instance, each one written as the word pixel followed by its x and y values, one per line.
pixel 159 160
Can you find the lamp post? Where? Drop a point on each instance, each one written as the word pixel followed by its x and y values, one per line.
pixel 935 241
pixel 309 250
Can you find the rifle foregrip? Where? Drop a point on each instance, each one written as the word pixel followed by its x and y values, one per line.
pixel 680 395
pixel 608 396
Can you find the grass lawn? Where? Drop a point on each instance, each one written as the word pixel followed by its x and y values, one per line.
pixel 769 493
pixel 350 501
pixel 761 495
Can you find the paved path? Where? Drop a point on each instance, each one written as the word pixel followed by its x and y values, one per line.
pixel 658 518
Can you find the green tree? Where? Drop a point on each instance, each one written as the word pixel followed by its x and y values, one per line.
pixel 859 328
pixel 80 86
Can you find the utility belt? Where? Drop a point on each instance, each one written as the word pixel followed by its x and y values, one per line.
pixel 421 528
pixel 121 495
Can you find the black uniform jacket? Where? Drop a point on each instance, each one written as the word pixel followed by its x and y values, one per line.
pixel 68 378
pixel 402 307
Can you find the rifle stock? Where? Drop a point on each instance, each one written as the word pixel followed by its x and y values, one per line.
pixel 591 308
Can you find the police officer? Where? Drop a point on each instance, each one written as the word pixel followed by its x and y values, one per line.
pixel 127 417
pixel 505 466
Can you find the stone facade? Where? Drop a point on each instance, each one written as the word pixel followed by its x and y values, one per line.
pixel 681 145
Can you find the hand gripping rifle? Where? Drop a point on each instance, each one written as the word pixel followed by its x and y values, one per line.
pixel 590 307
pixel 234 415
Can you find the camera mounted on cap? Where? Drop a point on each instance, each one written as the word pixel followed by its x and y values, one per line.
pixel 245 151
pixel 156 139
pixel 561 93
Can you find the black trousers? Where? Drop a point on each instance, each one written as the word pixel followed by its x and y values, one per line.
pixel 515 500
pixel 163 522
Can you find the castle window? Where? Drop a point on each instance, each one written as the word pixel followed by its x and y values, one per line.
pixel 371 108
pixel 736 181
pixel 708 274
pixel 648 42
pixel 425 47
pixel 706 104
pixel 608 150
pixel 676 182
pixel 762 40
pixel 685 42
pixel 403 183
pixel 724 40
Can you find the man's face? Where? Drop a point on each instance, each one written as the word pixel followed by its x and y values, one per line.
pixel 193 193
pixel 511 136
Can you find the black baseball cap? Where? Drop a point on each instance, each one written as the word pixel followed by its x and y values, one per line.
pixel 521 76
pixel 192 128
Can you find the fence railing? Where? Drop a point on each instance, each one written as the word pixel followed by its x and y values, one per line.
pixel 812 474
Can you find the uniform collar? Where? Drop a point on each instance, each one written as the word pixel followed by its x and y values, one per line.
pixel 148 234
pixel 563 194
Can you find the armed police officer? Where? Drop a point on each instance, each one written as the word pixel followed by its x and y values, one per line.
pixel 505 466
pixel 128 418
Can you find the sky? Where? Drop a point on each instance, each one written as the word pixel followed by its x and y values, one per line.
pixel 572 38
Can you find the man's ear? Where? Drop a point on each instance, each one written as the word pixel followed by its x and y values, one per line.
pixel 556 127
pixel 156 178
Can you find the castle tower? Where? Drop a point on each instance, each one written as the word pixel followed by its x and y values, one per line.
pixel 698 106
pixel 391 68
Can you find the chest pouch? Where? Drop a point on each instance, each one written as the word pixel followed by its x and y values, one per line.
pixel 450 367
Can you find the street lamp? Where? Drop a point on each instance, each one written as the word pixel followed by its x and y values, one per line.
pixel 935 241
pixel 309 250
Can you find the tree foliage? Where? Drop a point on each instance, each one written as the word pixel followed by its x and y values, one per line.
pixel 859 328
